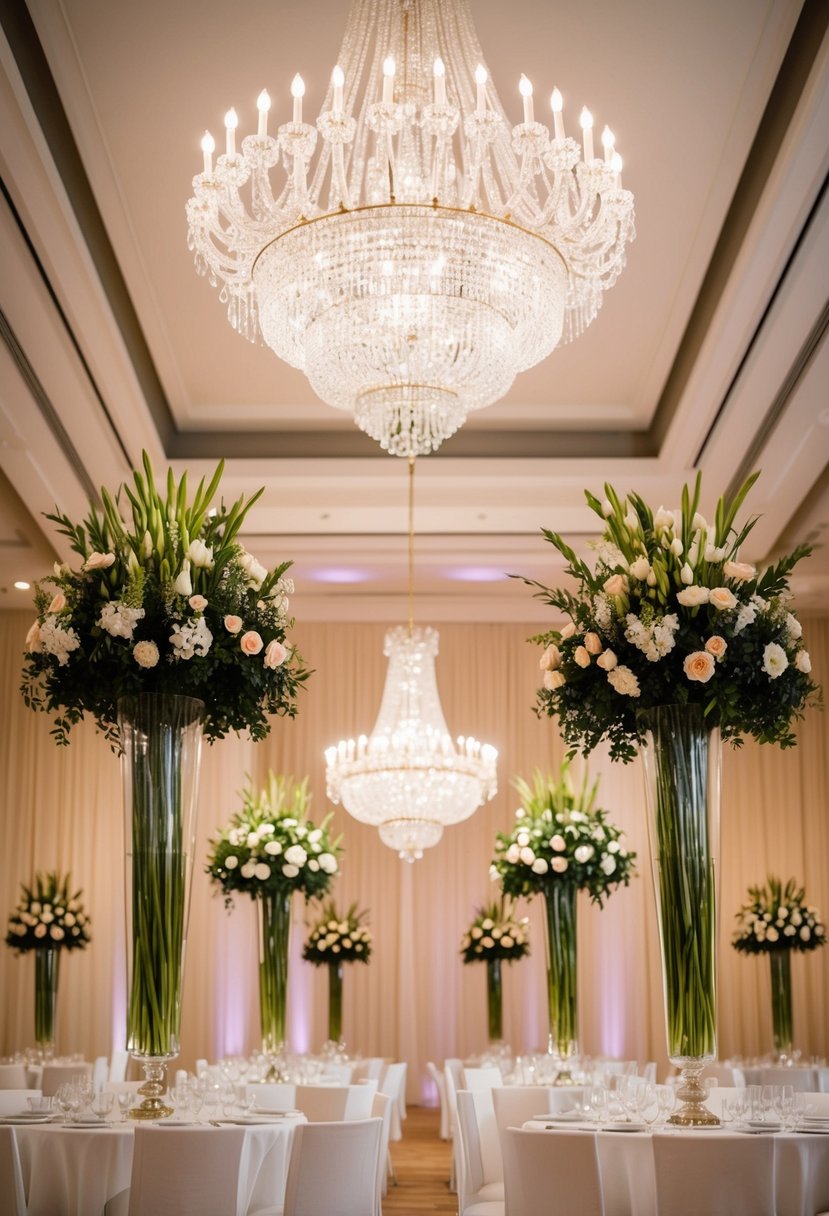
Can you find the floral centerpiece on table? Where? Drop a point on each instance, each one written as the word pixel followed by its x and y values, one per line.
pixel 333 941
pixel 49 919
pixel 670 614
pixel 495 937
pixel 776 921
pixel 49 916
pixel 561 844
pixel 269 850
pixel 168 602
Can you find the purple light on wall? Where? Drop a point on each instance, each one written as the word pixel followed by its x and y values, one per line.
pixel 231 987
pixel 338 574
pixel 611 974
pixel 476 574
pixel 299 994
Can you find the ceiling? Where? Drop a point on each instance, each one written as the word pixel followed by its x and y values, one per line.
pixel 710 352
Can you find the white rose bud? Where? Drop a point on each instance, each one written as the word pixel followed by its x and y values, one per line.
pixel 262 871
pixel 803 662
pixel 607 660
pixel 583 853
pixel 559 864
pixel 183 584
pixel 608 865
pixel 593 643
pixel 641 568
pixel 527 855
pixel 558 843
pixel 568 630
pixel 582 656
pixel 201 555
pixel 539 867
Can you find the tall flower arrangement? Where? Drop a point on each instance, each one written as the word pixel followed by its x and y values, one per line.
pixel 333 941
pixel 169 602
pixel 561 843
pixel 776 921
pixel 495 937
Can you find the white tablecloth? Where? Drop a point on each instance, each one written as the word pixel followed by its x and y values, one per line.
pixel 74 1171
pixel 801 1165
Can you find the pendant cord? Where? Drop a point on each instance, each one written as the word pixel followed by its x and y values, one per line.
pixel 411 544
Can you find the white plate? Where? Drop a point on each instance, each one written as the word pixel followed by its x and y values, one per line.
pixel 763 1125
pixel 25 1118
pixel 768 1130
pixel 812 1129
pixel 86 1124
pixel 623 1127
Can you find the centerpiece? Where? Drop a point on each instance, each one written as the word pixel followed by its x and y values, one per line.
pixel 776 921
pixel 167 630
pixel 495 937
pixel 48 919
pixel 672 643
pixel 333 941
pixel 269 850
pixel 561 844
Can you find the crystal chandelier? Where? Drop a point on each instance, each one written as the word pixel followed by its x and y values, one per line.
pixel 431 251
pixel 409 778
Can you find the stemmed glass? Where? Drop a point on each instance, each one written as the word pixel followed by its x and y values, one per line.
pixel 125 1100
pixel 598 1103
pixel 102 1104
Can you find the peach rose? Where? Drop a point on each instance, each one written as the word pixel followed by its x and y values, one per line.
pixel 58 602
pixel 567 630
pixel 33 644
pixel 197 602
pixel 593 643
pixel 275 654
pixel 233 624
pixel 553 680
pixel 722 599
pixel 607 660
pixel 716 646
pixel 699 666
pixel 98 561
pixel 741 571
pixel 582 656
pixel 551 658
pixel 251 642
pixel 617 584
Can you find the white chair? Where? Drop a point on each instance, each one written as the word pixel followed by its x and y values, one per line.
pixel 453 1076
pixel 823 1079
pixel 118 1065
pixel 480 1172
pixel 816 1104
pixel 55 1075
pixel 182 1171
pixel 393 1083
pixel 12 1195
pixel 719 1094
pixel 381 1109
pixel 554 1174
pixel 513 1105
pixel 370 1069
pixel 272 1095
pixel 333 1169
pixel 334 1103
pixel 100 1072
pixel 720 1176
pixel 724 1074
pixel 12 1101
pixel 481 1078
pixel 13 1076
pixel 440 1085
pixel 802 1080
pixel 337 1074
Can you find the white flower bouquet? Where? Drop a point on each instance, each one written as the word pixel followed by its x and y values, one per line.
pixel 777 918
pixel 48 915
pixel 338 939
pixel 169 603
pixel 271 846
pixel 671 615
pixel 495 934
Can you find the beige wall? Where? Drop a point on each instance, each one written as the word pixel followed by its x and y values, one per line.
pixel 415 1001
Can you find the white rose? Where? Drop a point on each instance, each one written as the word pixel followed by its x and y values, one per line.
pixel 273 848
pixel 693 596
pixel 593 643
pixel 608 865
pixel 539 866
pixel 775 660
pixel 262 871
pixel 248 869
pixel 200 554
pixel 145 654
pixel 722 599
pixel 551 658
pixel 522 839
pixel 231 862
pixel 295 855
pixel 328 863
pixel 771 934
pixel 553 680
pixel 527 855
pixel 607 660
pixel 290 871
pixel 617 584
pixel 558 843
pixel 582 656
pixel 583 853
pixel 805 933
pixel 741 572
pixel 559 864
pixel 623 680
pixel 641 568
pixel 803 662
pixel 567 630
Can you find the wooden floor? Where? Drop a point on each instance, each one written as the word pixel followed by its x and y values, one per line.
pixel 421 1162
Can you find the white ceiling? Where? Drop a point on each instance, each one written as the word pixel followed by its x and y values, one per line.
pixel 710 352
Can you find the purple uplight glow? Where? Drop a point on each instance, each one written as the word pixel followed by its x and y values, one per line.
pixel 476 574
pixel 611 968
pixel 299 994
pixel 231 987
pixel 338 574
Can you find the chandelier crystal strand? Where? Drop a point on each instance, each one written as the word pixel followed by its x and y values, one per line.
pixel 408 778
pixel 418 252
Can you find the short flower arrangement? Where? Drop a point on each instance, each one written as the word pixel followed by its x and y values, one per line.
pixel 670 615
pixel 170 603
pixel 49 916
pixel 338 939
pixel 271 846
pixel 776 918
pixel 495 934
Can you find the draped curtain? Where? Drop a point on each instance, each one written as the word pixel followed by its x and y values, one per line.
pixel 415 1001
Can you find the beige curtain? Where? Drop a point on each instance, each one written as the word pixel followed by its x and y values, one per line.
pixel 415 1001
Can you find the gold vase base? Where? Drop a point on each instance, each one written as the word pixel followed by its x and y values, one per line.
pixel 153 1090
pixel 151 1108
pixel 691 1095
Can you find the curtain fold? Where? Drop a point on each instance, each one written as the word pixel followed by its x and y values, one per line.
pixel 415 1000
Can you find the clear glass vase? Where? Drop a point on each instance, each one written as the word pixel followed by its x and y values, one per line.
pixel 47 959
pixel 682 760
pixel 335 1002
pixel 780 962
pixel 274 940
pixel 494 1000
pixel 161 750
pixel 562 995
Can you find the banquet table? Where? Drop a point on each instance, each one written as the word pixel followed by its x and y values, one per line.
pixel 75 1170
pixel 801 1169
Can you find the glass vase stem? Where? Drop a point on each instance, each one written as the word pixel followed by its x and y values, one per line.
pixel 562 996
pixel 274 937
pixel 46 998
pixel 494 1000
pixel 335 1002
pixel 781 1001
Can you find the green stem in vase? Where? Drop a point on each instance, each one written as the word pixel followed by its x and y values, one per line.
pixel 335 1002
pixel 46 995
pixel 781 1001
pixel 494 1000
pixel 274 936
pixel 562 996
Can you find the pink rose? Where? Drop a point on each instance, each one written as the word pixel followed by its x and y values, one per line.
pixel 233 624
pixel 58 602
pixel 617 584
pixel 251 642
pixel 33 643
pixel 699 666
pixel 275 654
pixel 197 602
pixel 593 643
pixel 716 646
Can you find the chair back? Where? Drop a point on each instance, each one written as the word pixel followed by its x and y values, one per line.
pixel 482 1078
pixel 717 1175
pixel 13 1101
pixel 13 1076
pixel 359 1099
pixel 118 1064
pixel 440 1085
pixel 478 1134
pixel 394 1084
pixel 333 1103
pixel 100 1072
pixel 802 1080
pixel 272 1095
pixel 333 1169
pixel 185 1171
pixel 381 1108
pixel 12 1195
pixel 553 1173
pixel 813 1104
pixel 513 1105
pixel 724 1074
pixel 337 1074
pixel 370 1069
pixel 55 1075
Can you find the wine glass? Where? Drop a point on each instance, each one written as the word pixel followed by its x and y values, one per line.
pixel 125 1099
pixel 598 1103
pixel 102 1104
pixel 766 1102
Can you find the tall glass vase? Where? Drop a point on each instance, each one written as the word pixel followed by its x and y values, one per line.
pixel 47 959
pixel 562 997
pixel 682 778
pixel 335 1002
pixel 494 1000
pixel 781 1001
pixel 274 938
pixel 161 749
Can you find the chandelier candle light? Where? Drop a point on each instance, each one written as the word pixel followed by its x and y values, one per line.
pixel 431 251
pixel 408 777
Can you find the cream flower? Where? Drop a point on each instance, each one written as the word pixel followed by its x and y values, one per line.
pixel 607 660
pixel 145 654
pixel 803 662
pixel 559 864
pixel 539 867
pixel 699 666
pixel 593 643
pixel 233 624
pixel 722 599
pixel 553 680
pixel 741 572
pixel 617 584
pixel 183 584
pixel 98 561
pixel 692 596
pixel 567 630
pixel 641 568
pixel 33 644
pixel 623 680
pixel 551 658
pixel 582 656
pixel 200 554
pixel 775 660
pixel 58 602
pixel 608 865
pixel 275 654
pixel 716 646
pixel 251 642
pixel 197 602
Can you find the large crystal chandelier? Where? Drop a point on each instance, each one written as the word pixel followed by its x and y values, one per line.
pixel 409 778
pixel 431 250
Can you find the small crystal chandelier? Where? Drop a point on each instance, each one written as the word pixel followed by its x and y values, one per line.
pixel 431 252
pixel 409 778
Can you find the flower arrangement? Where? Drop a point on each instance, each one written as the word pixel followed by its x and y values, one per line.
pixel 338 939
pixel 171 602
pixel 495 934
pixel 777 919
pixel 671 615
pixel 271 846
pixel 560 837
pixel 48 915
